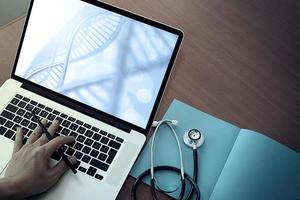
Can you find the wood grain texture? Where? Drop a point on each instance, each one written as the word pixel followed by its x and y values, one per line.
pixel 239 62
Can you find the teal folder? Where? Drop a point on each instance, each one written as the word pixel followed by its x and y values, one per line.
pixel 233 163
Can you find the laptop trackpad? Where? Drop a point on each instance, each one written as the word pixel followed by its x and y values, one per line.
pixel 6 149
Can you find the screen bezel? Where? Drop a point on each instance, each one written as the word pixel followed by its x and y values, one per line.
pixel 86 109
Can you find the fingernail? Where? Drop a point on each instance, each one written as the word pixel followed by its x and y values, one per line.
pixel 72 160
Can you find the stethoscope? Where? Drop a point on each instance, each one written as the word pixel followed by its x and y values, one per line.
pixel 193 139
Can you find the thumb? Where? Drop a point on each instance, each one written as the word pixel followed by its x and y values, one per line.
pixel 59 169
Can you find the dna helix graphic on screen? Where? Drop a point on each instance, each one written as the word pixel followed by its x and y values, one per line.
pixel 107 61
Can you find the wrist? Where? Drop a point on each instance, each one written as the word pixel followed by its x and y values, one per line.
pixel 10 189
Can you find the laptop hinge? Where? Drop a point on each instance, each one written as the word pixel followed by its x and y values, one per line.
pixel 80 107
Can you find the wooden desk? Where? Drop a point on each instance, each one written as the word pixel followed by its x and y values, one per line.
pixel 239 61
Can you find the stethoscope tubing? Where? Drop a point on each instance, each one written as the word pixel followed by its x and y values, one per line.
pixel 184 176
pixel 194 188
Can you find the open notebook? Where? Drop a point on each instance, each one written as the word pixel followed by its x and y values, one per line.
pixel 234 163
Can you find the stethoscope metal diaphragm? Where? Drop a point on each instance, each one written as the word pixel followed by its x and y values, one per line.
pixel 193 138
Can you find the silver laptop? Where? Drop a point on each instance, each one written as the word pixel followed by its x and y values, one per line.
pixel 99 70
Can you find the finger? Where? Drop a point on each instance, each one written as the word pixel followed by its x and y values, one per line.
pixel 60 168
pixel 36 134
pixel 57 142
pixel 19 140
pixel 52 130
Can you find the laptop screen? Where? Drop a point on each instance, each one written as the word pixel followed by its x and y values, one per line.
pixel 95 56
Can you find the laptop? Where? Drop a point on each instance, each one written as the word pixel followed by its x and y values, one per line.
pixel 100 71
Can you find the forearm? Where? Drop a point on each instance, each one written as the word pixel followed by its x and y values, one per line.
pixel 9 190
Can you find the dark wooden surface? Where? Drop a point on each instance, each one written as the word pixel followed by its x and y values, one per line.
pixel 239 62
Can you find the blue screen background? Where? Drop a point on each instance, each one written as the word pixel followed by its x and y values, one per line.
pixel 102 59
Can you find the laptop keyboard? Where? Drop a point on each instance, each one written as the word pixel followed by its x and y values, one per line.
pixel 94 147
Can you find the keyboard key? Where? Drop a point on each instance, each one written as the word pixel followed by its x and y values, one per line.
pixel 95 129
pixel 55 112
pixel 103 132
pixel 102 156
pixel 99 164
pixel 80 138
pixel 15 101
pixel 64 115
pixel 88 142
pixel 25 122
pixel 28 115
pixel 7 115
pixel 80 123
pixel 49 109
pixel 37 111
pixel 9 134
pixel 86 149
pixel 64 148
pixel 65 132
pixel 51 117
pixel 11 108
pixel 81 130
pixel 86 158
pixel 41 106
pixel 82 169
pixel 104 140
pixel 8 124
pixel 29 107
pixel 89 133
pixel 96 145
pixel 66 123
pixel 17 119
pixel 96 137
pixel 19 96
pixel 26 99
pixel 15 127
pixel 76 165
pixel 21 112
pixel 91 171
pixel 44 114
pixel 14 137
pixel 98 176
pixel 2 121
pixel 114 144
pixel 112 152
pixel 119 139
pixel 70 151
pixel 111 136
pixel 25 131
pixel 22 104
pixel 32 126
pixel 104 149
pixel 78 155
pixel 72 119
pixel 94 153
pixel 87 126
pixel 2 130
pixel 78 146
pixel 73 127
pixel 71 144
pixel 73 134
pixel 59 119
pixel 33 102
pixel 109 160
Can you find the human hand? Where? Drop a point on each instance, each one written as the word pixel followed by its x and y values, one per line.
pixel 29 170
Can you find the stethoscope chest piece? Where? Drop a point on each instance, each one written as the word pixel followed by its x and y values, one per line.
pixel 193 138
